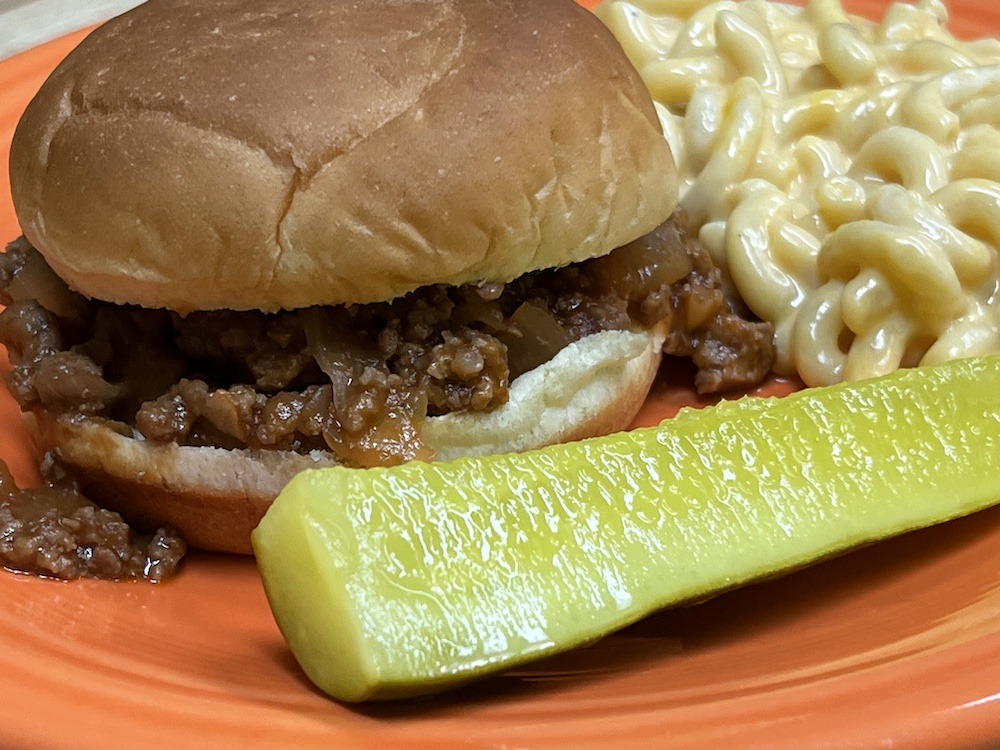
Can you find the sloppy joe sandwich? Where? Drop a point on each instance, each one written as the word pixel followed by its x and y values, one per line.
pixel 265 236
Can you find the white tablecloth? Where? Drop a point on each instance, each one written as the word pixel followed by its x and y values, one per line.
pixel 26 23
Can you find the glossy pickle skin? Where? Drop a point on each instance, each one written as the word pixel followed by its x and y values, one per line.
pixel 390 583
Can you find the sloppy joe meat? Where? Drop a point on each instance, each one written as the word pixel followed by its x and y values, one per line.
pixel 54 531
pixel 356 379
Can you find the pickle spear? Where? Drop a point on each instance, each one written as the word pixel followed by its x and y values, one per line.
pixel 396 582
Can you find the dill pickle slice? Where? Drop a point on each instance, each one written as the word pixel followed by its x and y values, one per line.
pixel 396 582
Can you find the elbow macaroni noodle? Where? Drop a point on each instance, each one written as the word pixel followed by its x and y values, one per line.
pixel 844 174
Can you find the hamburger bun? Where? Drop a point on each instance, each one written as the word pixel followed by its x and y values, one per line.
pixel 197 155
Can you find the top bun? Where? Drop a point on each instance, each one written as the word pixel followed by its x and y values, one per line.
pixel 267 154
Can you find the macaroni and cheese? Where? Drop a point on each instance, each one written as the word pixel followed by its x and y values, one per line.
pixel 844 174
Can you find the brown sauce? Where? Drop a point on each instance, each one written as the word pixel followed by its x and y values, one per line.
pixel 55 532
pixel 356 380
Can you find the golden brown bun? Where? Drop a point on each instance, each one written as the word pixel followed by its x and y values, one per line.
pixel 215 497
pixel 205 154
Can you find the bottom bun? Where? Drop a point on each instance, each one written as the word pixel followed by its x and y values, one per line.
pixel 214 497
pixel 594 386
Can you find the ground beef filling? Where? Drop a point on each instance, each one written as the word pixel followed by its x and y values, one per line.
pixel 356 380
pixel 54 531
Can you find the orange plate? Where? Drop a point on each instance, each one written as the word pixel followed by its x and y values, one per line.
pixel 896 645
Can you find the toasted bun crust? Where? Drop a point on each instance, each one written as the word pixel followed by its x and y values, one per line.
pixel 215 497
pixel 208 154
